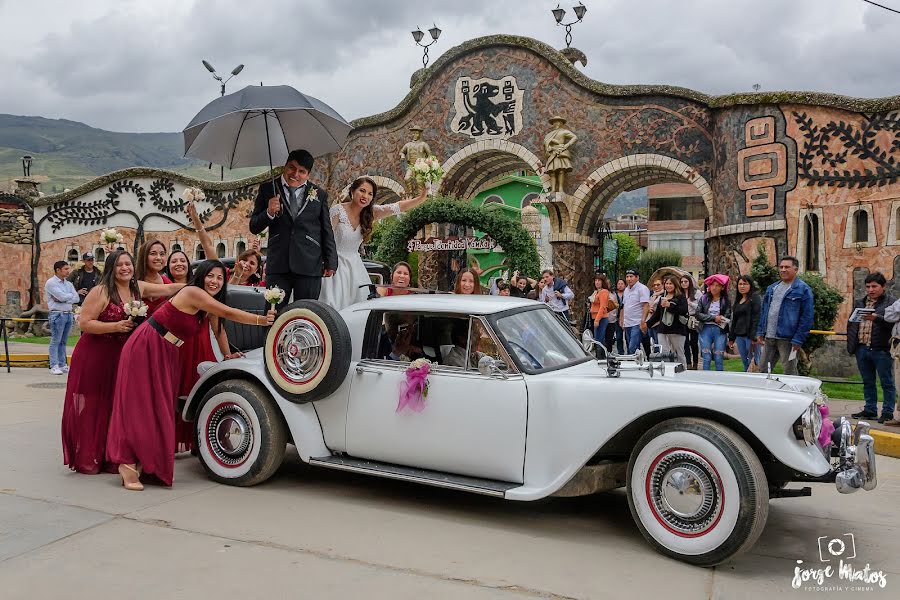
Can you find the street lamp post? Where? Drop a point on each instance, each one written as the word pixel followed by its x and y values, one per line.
pixel 218 78
pixel 26 165
pixel 559 14
pixel 418 35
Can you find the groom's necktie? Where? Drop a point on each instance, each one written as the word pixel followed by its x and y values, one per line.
pixel 293 201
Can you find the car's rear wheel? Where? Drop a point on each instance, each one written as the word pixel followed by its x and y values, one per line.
pixel 241 435
pixel 697 491
pixel 307 352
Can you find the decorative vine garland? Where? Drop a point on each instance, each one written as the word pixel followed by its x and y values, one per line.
pixel 518 245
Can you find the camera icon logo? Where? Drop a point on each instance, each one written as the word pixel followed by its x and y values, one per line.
pixel 841 547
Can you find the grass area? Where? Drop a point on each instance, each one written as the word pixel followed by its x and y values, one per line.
pixel 45 341
pixel 835 391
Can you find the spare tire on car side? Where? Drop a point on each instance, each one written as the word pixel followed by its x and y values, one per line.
pixel 307 351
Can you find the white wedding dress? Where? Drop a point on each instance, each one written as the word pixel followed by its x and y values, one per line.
pixel 350 284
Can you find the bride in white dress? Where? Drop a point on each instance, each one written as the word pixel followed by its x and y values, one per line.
pixel 352 222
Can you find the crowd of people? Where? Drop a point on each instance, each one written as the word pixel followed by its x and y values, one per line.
pixel 126 375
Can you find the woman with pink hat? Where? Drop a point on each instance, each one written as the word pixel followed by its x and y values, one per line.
pixel 714 312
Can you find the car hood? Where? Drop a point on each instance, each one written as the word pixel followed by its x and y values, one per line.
pixel 759 381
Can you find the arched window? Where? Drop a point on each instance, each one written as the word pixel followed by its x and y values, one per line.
pixel 492 199
pixel 529 198
pixel 220 250
pixel 811 233
pixel 99 255
pixel 896 228
pixel 72 255
pixel 199 254
pixel 176 247
pixel 861 226
pixel 240 247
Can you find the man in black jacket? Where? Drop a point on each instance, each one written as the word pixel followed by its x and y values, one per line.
pixel 870 340
pixel 301 242
pixel 86 277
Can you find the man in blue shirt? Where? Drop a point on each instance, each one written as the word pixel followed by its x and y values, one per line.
pixel 61 295
pixel 786 318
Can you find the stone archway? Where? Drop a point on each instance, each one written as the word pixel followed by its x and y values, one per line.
pixel 592 198
pixel 474 167
pixel 389 190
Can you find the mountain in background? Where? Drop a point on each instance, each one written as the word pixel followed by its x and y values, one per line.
pixel 627 202
pixel 68 153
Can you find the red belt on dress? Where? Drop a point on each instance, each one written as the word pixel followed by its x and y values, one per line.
pixel 165 333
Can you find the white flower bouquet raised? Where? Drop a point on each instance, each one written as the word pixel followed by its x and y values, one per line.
pixel 111 236
pixel 274 295
pixel 428 170
pixel 193 194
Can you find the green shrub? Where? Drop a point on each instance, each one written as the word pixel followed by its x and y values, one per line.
pixel 762 271
pixel 628 251
pixel 827 300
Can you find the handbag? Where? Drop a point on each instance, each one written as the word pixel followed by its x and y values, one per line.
pixel 611 305
pixel 667 318
pixel 694 324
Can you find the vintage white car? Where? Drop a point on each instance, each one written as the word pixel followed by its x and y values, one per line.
pixel 517 408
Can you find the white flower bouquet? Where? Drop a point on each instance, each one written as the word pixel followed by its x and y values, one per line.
pixel 428 170
pixel 135 310
pixel 193 194
pixel 274 295
pixel 111 236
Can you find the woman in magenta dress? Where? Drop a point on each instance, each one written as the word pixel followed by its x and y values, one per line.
pixel 91 382
pixel 142 427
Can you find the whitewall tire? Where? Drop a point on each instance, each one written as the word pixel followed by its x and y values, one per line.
pixel 697 491
pixel 307 351
pixel 241 435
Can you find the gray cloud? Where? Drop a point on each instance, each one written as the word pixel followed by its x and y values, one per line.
pixel 133 67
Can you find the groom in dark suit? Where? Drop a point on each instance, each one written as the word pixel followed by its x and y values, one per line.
pixel 301 243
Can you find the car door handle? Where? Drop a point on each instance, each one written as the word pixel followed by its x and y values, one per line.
pixel 367 370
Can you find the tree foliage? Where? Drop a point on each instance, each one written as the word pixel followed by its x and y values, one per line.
pixel 762 271
pixel 627 253
pixel 651 260
pixel 518 245
pixel 827 300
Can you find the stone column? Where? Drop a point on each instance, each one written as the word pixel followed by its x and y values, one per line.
pixel 574 262
pixel 430 263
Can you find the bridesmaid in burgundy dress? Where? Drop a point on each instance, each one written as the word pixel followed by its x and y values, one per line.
pixel 142 427
pixel 151 262
pixel 91 382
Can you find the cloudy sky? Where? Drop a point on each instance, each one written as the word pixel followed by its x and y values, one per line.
pixel 125 65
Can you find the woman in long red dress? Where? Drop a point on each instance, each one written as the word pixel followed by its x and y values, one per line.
pixel 142 427
pixel 91 382
pixel 151 262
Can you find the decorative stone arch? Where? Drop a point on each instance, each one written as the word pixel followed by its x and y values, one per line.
pixel 476 166
pixel 593 197
pixel 389 190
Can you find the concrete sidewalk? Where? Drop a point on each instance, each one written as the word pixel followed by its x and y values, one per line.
pixel 887 439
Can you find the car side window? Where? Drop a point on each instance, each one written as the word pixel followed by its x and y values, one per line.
pixel 481 343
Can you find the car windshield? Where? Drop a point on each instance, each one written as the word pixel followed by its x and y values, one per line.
pixel 539 340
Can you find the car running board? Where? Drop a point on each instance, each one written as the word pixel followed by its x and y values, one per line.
pixel 487 487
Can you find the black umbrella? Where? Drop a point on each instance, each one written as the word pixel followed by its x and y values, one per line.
pixel 260 125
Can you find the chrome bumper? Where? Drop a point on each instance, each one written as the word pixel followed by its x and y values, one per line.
pixel 856 457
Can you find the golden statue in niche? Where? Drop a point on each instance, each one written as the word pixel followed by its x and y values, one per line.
pixel 559 158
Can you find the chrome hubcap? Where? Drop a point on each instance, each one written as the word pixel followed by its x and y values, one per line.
pixel 300 351
pixel 685 492
pixel 229 434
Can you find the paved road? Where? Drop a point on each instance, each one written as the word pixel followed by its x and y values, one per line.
pixel 320 534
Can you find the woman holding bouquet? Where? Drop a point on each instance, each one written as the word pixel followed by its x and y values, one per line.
pixel 142 426
pixel 151 261
pixel 89 391
pixel 352 222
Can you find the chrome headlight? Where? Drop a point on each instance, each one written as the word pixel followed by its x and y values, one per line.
pixel 810 425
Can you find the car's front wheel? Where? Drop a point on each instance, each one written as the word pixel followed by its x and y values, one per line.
pixel 697 491
pixel 241 435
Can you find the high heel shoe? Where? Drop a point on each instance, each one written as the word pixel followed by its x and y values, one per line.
pixel 130 473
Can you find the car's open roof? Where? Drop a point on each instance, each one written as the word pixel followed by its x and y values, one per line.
pixel 451 303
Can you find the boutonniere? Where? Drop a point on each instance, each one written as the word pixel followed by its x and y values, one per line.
pixel 313 195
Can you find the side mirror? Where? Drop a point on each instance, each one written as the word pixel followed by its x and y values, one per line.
pixel 587 340
pixel 489 367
